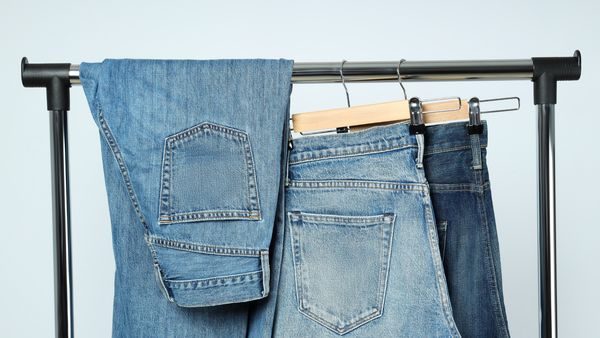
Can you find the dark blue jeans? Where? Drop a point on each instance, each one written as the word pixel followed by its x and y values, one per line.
pixel 457 173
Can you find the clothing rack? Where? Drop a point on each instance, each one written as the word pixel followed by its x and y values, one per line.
pixel 544 72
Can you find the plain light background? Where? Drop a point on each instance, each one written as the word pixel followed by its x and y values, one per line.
pixel 78 31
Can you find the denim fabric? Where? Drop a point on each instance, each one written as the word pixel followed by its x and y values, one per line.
pixel 192 163
pixel 360 247
pixel 262 311
pixel 456 169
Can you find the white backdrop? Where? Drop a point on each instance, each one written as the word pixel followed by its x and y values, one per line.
pixel 77 31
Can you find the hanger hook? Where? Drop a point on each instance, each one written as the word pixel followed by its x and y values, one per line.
pixel 344 82
pixel 400 78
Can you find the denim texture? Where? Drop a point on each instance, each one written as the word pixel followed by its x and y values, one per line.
pixel 457 175
pixel 456 169
pixel 192 162
pixel 360 246
pixel 375 233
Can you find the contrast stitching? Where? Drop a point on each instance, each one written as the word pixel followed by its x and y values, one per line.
pixel 356 184
pixel 165 197
pixel 209 215
pixel 376 219
pixel 112 143
pixel 308 156
pixel 203 248
pixel 167 214
pixel 385 271
pixel 453 187
pixel 214 281
pixel 386 220
pixel 188 134
pixel 298 273
pixel 253 196
pixel 121 163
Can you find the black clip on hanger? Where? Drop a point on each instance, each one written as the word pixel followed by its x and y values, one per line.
pixel 416 116
pixel 474 126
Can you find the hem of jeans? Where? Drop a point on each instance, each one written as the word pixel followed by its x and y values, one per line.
pixel 218 290
pixel 203 248
pixel 199 216
pixel 232 301
pixel 213 282
pixel 385 185
pixel 238 289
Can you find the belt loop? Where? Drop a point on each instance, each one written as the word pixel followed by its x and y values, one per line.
pixel 476 152
pixel 290 146
pixel 421 149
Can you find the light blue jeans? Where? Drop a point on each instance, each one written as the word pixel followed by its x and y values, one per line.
pixel 456 169
pixel 360 245
pixel 348 167
pixel 192 162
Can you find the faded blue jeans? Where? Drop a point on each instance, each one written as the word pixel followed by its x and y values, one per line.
pixel 354 176
pixel 360 246
pixel 195 181
pixel 192 163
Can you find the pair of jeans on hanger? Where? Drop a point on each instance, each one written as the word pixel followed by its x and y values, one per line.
pixel 220 229
pixel 389 234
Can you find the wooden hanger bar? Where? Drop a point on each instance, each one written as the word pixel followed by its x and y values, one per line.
pixel 385 112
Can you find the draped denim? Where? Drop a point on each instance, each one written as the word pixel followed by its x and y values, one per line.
pixel 192 164
pixel 222 230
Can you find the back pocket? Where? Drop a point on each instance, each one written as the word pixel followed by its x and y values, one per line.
pixel 208 174
pixel 341 267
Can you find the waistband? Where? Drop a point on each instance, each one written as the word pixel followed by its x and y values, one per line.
pixel 438 138
pixel 371 140
pixel 451 136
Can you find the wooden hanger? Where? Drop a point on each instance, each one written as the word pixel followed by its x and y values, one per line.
pixel 360 117
pixel 379 113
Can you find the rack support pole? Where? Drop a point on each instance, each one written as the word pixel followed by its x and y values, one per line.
pixel 547 71
pixel 63 286
pixel 55 78
pixel 546 222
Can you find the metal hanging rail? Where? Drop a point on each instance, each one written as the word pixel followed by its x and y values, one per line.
pixel 544 72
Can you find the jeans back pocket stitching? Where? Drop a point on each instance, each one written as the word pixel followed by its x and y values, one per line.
pixel 384 220
pixel 166 212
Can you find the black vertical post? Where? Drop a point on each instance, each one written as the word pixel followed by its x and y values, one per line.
pixel 55 78
pixel 546 72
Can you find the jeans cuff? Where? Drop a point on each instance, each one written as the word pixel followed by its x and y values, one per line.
pixel 198 275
